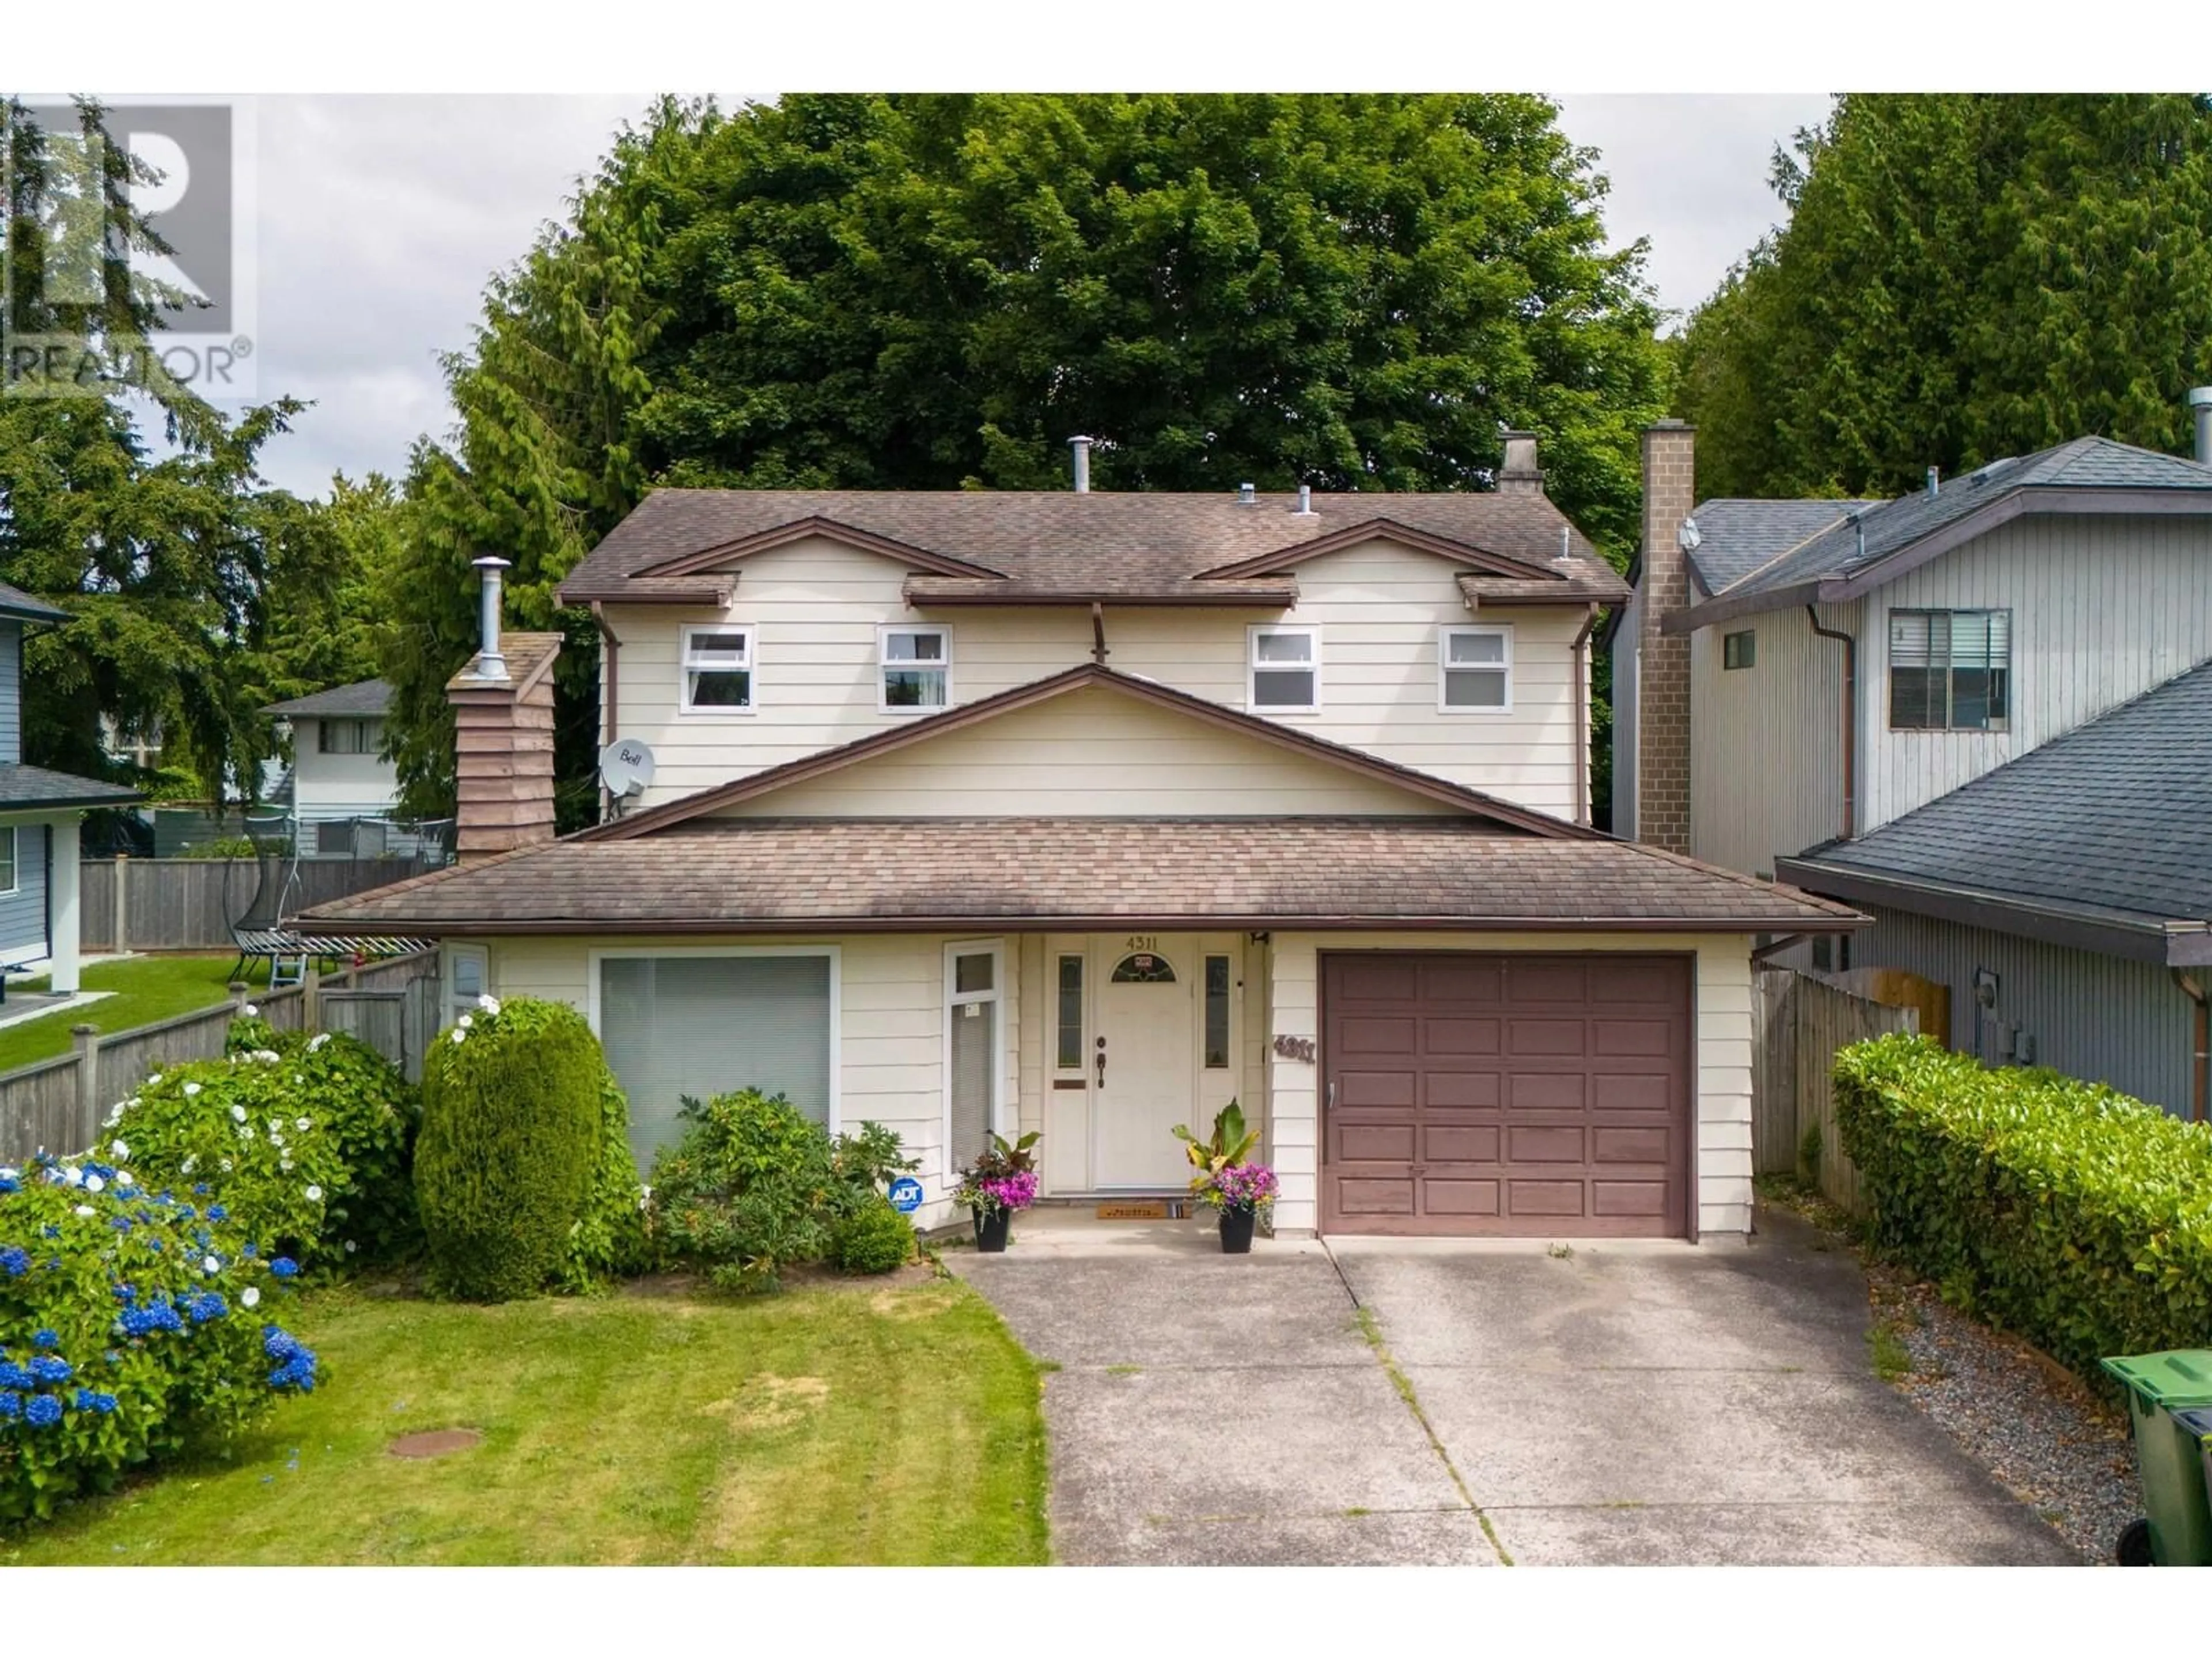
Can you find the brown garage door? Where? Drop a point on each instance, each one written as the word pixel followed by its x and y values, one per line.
pixel 1506 1095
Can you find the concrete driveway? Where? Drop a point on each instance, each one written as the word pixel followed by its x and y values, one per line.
pixel 1378 1401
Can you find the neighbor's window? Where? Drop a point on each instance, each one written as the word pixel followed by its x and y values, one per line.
pixel 1069 1057
pixel 7 859
pixel 1474 667
pixel 1284 666
pixel 917 664
pixel 718 671
pixel 1217 1013
pixel 347 737
pixel 1949 671
pixel 334 838
pixel 1740 650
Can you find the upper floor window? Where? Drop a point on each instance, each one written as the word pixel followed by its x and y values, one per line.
pixel 1740 650
pixel 917 668
pixel 346 737
pixel 1474 669
pixel 1283 667
pixel 1949 671
pixel 718 671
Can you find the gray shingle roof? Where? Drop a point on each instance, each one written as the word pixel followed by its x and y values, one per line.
pixel 1740 535
pixel 2116 815
pixel 15 602
pixel 362 698
pixel 862 874
pixel 34 785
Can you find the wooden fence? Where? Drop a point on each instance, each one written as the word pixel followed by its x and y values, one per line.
pixel 57 1104
pixel 183 904
pixel 1799 1023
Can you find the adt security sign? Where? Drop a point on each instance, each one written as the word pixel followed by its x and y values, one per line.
pixel 906 1195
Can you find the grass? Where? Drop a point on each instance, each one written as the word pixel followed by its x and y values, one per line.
pixel 143 990
pixel 844 1426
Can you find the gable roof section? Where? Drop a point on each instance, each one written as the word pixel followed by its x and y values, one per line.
pixel 2111 824
pixel 23 787
pixel 1738 535
pixel 1853 557
pixel 706 802
pixel 24 607
pixel 363 698
pixel 1017 547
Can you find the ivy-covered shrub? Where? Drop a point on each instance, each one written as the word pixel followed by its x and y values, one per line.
pixel 754 1186
pixel 875 1239
pixel 134 1326
pixel 2061 1209
pixel 523 1174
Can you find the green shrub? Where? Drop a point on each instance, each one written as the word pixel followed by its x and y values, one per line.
pixel 2061 1209
pixel 754 1187
pixel 132 1330
pixel 875 1239
pixel 513 1168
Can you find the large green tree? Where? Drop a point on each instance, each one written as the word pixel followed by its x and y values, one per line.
pixel 934 292
pixel 1962 276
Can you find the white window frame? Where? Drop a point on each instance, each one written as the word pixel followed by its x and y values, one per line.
pixel 363 726
pixel 834 953
pixel 1445 635
pixel 751 668
pixel 996 950
pixel 884 664
pixel 479 954
pixel 1253 666
pixel 15 858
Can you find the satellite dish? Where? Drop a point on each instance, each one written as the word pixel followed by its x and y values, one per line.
pixel 626 766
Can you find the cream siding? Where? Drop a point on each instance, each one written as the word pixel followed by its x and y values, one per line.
pixel 1766 741
pixel 1721 1175
pixel 1094 752
pixel 815 605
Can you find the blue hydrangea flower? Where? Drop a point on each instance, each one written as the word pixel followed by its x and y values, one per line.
pixel 216 1213
pixel 13 1376
pixel 44 1411
pixel 14 1260
pixel 46 1339
pixel 206 1306
pixel 94 1399
pixel 51 1368
pixel 11 1404
pixel 250 1251
pixel 9 1184
pixel 283 1267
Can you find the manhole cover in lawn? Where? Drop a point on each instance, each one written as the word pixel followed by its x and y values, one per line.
pixel 434 1442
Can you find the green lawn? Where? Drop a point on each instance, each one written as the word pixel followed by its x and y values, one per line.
pixel 850 1425
pixel 146 988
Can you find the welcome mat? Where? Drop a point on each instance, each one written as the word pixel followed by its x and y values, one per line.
pixel 1141 1210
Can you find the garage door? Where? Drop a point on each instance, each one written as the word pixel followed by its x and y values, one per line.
pixel 1506 1096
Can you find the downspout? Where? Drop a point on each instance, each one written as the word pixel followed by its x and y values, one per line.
pixel 1850 717
pixel 1098 633
pixel 1578 650
pixel 611 703
pixel 2200 1073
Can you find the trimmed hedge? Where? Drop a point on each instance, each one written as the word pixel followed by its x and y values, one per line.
pixel 873 1239
pixel 522 1170
pixel 2061 1209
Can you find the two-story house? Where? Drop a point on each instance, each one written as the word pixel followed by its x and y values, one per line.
pixel 340 790
pixel 1087 813
pixel 40 811
pixel 1976 713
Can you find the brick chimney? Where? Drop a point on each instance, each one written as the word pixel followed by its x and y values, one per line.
pixel 1520 475
pixel 1662 708
pixel 502 736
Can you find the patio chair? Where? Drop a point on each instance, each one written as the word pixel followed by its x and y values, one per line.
pixel 259 928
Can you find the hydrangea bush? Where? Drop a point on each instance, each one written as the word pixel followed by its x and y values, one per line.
pixel 134 1325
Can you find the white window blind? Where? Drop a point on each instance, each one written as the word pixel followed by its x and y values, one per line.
pixel 916 666
pixel 1949 670
pixel 1477 665
pixel 1285 665
pixel 703 1026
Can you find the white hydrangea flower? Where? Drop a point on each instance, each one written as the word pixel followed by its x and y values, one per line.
pixel 275 1139
pixel 125 1180
pixel 210 1265
pixel 314 1194
pixel 351 1247
pixel 464 1022
pixel 460 1036
pixel 284 1164
pixel 119 1149
pixel 249 1297
pixel 238 1114
pixel 296 1078
pixel 74 1177
pixel 226 1166
pixel 189 1165
pixel 488 1003
pixel 318 1040
pixel 303 1124
pixel 191 1089
pixel 8 1172
pixel 154 1080
pixel 252 1012
pixel 84 1209
pixel 115 1114
pixel 93 1184
pixel 275 1124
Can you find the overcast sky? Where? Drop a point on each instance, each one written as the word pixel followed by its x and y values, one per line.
pixel 380 219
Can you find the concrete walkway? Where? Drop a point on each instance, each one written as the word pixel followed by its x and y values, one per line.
pixel 1382 1402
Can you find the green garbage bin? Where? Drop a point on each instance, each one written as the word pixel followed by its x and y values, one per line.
pixel 2169 1456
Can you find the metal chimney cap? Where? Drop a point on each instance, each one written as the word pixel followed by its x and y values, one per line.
pixel 1247 495
pixel 492 561
pixel 2200 396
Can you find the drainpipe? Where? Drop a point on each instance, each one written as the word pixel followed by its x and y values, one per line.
pixel 1577 654
pixel 1098 652
pixel 2200 1073
pixel 609 714
pixel 1850 716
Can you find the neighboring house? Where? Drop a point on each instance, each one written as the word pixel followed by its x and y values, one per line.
pixel 1087 813
pixel 40 815
pixel 338 773
pixel 1889 703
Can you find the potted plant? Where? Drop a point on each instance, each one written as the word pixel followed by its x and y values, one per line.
pixel 1227 1180
pixel 1002 1181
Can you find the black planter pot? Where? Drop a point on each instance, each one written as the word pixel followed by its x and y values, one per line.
pixel 992 1228
pixel 1237 1231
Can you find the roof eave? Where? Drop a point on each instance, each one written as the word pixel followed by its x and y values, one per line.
pixel 1244 600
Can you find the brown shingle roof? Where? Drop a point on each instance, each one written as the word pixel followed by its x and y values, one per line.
pixel 1155 545
pixel 922 874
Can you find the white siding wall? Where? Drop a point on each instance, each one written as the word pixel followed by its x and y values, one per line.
pixel 1722 1174
pixel 1766 741
pixel 2102 610
pixel 339 785
pixel 816 607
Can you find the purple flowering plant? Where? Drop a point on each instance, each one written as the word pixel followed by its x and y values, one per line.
pixel 1003 1178
pixel 1239 1188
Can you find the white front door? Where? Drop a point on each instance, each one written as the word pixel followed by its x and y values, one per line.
pixel 1144 1064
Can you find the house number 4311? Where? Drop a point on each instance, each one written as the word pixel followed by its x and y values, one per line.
pixel 1295 1048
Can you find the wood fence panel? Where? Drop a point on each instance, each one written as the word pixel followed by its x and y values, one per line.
pixel 96 903
pixel 1774 1071
pixel 1830 1018
pixel 186 904
pixel 39 1110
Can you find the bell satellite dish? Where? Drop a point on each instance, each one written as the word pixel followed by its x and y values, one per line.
pixel 626 766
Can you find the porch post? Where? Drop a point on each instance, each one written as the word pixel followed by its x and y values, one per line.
pixel 62 902
pixel 1293 1082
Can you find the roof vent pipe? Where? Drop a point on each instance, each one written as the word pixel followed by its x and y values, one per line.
pixel 1247 495
pixel 2200 405
pixel 1081 446
pixel 490 665
pixel 1566 543
pixel 1935 482
pixel 1305 501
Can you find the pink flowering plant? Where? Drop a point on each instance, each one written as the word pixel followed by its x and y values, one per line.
pixel 1003 1178
pixel 1240 1188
